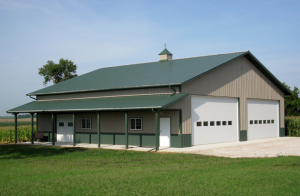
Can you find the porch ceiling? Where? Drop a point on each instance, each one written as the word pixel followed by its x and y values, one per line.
pixel 101 104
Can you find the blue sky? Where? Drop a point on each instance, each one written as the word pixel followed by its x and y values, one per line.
pixel 95 34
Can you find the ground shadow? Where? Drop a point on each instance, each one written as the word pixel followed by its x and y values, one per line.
pixel 26 151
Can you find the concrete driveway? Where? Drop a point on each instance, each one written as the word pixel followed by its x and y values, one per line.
pixel 270 147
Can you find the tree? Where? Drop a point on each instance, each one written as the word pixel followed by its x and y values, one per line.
pixel 62 71
pixel 292 102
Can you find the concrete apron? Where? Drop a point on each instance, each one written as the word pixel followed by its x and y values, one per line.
pixel 252 148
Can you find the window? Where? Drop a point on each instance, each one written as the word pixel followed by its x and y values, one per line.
pixel 61 124
pixel 70 124
pixel 86 123
pixel 199 124
pixel 265 122
pixel 260 121
pixel 272 121
pixel 229 122
pixel 255 122
pixel 224 122
pixel 136 124
pixel 218 123
pixel 212 123
pixel 251 122
pixel 269 121
pixel 205 123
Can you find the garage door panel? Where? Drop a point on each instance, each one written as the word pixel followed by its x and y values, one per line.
pixel 263 119
pixel 207 109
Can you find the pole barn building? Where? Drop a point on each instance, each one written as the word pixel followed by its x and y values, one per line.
pixel 170 102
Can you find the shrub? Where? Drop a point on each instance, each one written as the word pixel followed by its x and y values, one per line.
pixel 292 126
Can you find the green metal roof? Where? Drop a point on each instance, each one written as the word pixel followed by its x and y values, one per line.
pixel 165 51
pixel 152 74
pixel 101 104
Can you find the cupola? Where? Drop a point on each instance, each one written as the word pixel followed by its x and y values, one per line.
pixel 165 55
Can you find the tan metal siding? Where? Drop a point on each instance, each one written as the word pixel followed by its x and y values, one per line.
pixel 145 91
pixel 148 121
pixel 239 78
pixel 44 122
pixel 114 122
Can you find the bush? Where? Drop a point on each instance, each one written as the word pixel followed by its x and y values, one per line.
pixel 7 134
pixel 292 126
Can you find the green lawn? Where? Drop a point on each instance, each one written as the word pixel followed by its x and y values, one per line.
pixel 32 170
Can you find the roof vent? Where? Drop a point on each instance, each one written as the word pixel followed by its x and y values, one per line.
pixel 165 55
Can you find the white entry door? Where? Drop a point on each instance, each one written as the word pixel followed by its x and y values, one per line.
pixel 165 129
pixel 65 128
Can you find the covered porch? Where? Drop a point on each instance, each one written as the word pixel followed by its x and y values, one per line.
pixel 153 107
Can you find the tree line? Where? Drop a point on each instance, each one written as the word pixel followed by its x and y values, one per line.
pixel 292 102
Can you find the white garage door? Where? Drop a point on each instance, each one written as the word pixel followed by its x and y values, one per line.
pixel 214 120
pixel 263 118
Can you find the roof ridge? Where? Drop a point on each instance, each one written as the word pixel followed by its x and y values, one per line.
pixel 211 55
pixel 173 59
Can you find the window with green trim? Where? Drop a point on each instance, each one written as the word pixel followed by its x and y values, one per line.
pixel 136 124
pixel 86 123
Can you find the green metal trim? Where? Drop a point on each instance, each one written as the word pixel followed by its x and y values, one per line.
pixel 239 115
pixel 74 134
pixel 126 130
pixel 279 115
pixel 98 129
pixel 176 141
pixel 243 135
pixel 53 127
pixel 282 132
pixel 32 136
pixel 16 128
pixel 156 131
pixel 187 140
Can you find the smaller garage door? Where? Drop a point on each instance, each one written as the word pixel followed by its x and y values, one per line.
pixel 214 119
pixel 263 118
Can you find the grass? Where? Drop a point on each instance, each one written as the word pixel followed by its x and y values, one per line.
pixel 21 122
pixel 33 170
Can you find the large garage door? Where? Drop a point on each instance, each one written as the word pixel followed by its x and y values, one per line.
pixel 214 120
pixel 263 118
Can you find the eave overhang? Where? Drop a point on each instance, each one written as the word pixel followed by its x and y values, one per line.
pixel 121 103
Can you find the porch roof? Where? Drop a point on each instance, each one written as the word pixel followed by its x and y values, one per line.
pixel 139 102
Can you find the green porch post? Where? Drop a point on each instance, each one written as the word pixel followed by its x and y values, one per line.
pixel 126 130
pixel 156 131
pixel 98 126
pixel 53 127
pixel 74 135
pixel 16 128
pixel 32 136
